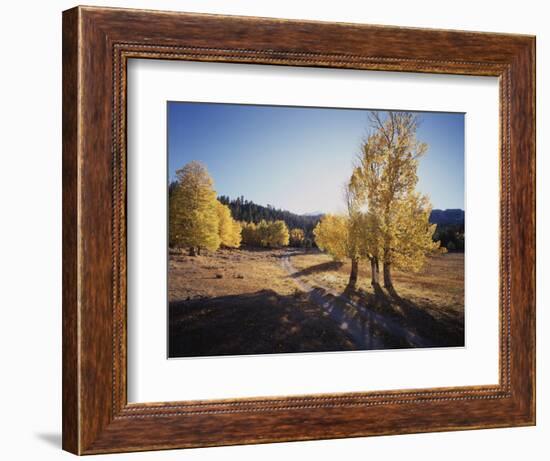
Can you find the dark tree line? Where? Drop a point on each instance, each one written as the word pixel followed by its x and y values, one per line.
pixel 451 236
pixel 248 211
pixel 450 228
pixel 449 231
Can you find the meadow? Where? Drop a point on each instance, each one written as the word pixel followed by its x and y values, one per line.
pixel 374 267
pixel 255 301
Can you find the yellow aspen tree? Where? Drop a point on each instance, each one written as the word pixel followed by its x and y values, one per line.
pixel 387 176
pixel 262 233
pixel 370 247
pixel 267 234
pixel 297 237
pixel 193 215
pixel 249 234
pixel 224 222
pixel 278 234
pixel 229 230
pixel 336 234
pixel 414 232
pixel 367 222
pixel 332 235
pixel 354 233
pixel 236 234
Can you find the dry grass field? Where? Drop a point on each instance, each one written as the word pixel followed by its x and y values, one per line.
pixel 235 302
pixel 430 303
pixel 227 272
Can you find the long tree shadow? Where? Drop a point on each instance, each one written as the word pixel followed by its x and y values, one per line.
pixel 442 329
pixel 263 322
pixel 322 267
pixel 437 330
pixel 266 322
pixel 373 309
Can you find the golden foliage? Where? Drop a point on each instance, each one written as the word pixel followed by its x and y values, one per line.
pixel 268 234
pixel 193 221
pixel 387 220
pixel 396 224
pixel 229 230
pixel 411 237
pixel 297 237
pixel 249 234
pixel 333 234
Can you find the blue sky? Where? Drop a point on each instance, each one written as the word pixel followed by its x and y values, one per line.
pixel 299 158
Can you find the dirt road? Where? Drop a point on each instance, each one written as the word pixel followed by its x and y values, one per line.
pixel 369 329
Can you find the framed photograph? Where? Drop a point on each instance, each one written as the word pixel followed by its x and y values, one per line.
pixel 281 230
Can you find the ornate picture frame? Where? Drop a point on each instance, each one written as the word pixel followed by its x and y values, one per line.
pixel 97 44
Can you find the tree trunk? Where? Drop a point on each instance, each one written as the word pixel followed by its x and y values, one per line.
pixel 191 251
pixel 388 283
pixel 375 272
pixel 199 251
pixel 353 274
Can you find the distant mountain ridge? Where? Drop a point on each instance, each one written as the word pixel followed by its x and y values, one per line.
pixel 449 217
pixel 315 213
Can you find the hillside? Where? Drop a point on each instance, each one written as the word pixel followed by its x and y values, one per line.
pixel 450 222
pixel 248 211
